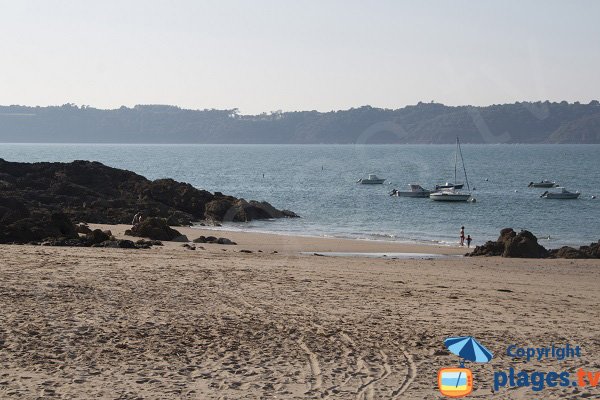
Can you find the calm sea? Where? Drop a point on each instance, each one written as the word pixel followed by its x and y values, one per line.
pixel 319 183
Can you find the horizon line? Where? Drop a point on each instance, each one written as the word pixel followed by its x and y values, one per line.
pixel 236 111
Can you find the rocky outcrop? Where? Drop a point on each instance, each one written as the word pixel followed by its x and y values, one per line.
pixel 524 245
pixel 591 251
pixel 41 200
pixel 511 244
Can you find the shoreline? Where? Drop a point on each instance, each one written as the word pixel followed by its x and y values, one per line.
pixel 375 237
pixel 294 244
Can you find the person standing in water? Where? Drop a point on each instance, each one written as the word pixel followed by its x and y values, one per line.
pixel 462 235
pixel 469 240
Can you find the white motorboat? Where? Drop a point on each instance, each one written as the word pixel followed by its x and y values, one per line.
pixel 560 193
pixel 450 194
pixel 371 180
pixel 542 184
pixel 415 191
pixel 453 193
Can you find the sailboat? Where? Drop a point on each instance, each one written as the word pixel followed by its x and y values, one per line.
pixel 453 193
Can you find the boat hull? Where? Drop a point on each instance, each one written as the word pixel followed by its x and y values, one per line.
pixel 562 196
pixel 371 181
pixel 543 185
pixel 413 194
pixel 440 196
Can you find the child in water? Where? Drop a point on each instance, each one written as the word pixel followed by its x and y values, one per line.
pixel 469 240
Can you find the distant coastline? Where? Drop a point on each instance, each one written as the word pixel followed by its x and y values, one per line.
pixel 423 123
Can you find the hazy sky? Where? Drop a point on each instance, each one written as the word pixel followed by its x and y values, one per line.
pixel 297 55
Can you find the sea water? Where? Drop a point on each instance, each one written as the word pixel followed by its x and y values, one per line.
pixel 319 183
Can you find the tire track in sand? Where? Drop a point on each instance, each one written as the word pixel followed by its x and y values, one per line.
pixel 367 390
pixel 313 363
pixel 410 376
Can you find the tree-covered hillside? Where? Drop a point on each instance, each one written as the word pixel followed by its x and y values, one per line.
pixel 526 122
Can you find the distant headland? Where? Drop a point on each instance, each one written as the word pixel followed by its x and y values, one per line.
pixel 426 123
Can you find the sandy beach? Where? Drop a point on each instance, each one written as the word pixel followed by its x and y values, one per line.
pixel 217 323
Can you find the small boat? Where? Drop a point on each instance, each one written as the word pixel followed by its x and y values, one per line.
pixel 371 180
pixel 450 194
pixel 560 193
pixel 542 184
pixel 451 191
pixel 415 191
pixel 449 185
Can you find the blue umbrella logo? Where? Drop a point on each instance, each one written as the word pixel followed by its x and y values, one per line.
pixel 467 348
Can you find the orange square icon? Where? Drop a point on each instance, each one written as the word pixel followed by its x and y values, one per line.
pixel 455 382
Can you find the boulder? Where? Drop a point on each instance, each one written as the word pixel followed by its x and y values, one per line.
pixel 511 244
pixel 153 228
pixel 97 236
pixel 225 241
pixel 523 245
pixel 200 239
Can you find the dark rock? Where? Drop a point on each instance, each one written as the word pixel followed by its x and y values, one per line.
pixel 181 238
pixel 200 239
pixel 38 226
pixel 511 244
pixel 225 241
pixel 143 242
pixel 117 244
pixel 489 249
pixel 239 210
pixel 245 251
pixel 591 251
pixel 523 245
pixel 96 237
pixel 82 228
pixel 39 200
pixel 188 246
pixel 153 228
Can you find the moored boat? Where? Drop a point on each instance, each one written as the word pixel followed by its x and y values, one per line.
pixel 450 194
pixel 371 180
pixel 415 191
pixel 542 184
pixel 560 193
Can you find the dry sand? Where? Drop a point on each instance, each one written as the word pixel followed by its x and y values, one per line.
pixel 213 324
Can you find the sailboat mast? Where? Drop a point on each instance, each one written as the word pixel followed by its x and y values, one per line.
pixel 455 159
pixel 462 160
